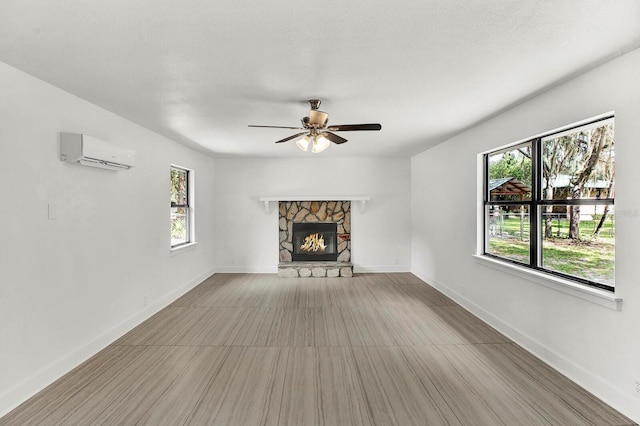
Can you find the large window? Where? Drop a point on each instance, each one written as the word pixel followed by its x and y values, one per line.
pixel 181 207
pixel 549 204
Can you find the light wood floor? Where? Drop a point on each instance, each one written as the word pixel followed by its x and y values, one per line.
pixel 252 349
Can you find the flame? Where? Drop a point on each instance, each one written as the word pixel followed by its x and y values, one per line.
pixel 313 242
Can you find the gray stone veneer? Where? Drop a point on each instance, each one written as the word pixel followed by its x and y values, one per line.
pixel 338 212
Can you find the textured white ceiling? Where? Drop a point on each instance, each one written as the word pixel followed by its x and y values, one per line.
pixel 200 71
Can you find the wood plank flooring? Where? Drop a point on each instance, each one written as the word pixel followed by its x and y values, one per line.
pixel 254 349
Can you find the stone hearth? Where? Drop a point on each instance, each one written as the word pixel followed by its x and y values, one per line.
pixel 315 269
pixel 338 212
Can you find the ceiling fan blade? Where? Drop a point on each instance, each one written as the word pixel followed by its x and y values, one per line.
pixel 351 127
pixel 276 127
pixel 291 137
pixel 333 137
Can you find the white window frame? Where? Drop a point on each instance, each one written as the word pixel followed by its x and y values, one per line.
pixel 190 207
pixel 563 284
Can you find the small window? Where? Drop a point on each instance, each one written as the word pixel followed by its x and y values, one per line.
pixel 181 207
pixel 549 204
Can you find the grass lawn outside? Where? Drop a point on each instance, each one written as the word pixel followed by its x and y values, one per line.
pixel 588 258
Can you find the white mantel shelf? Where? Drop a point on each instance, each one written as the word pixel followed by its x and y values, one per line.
pixel 361 198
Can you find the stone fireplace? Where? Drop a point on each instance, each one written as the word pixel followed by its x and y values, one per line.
pixel 315 239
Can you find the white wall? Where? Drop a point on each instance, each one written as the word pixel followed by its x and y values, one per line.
pixel 70 286
pixel 596 346
pixel 247 238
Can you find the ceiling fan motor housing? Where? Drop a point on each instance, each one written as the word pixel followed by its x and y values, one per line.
pixel 318 118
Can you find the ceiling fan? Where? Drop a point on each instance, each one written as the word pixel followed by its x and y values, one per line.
pixel 316 132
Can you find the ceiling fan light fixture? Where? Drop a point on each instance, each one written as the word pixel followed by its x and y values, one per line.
pixel 303 142
pixel 320 143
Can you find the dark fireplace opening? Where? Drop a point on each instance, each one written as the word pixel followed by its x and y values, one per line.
pixel 314 241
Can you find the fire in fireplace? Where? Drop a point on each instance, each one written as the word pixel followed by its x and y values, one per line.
pixel 315 242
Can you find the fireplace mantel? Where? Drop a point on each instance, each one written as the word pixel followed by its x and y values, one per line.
pixel 361 198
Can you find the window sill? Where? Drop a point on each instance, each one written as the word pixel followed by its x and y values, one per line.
pixel 594 295
pixel 173 251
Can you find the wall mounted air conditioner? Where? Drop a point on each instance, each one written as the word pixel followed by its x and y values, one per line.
pixel 89 151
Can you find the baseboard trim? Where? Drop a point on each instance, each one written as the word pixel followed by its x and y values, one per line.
pixel 49 374
pixel 621 401
pixel 247 269
pixel 380 268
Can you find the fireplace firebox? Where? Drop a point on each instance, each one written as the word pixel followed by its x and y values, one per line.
pixel 315 242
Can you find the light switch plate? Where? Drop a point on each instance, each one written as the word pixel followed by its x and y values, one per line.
pixel 52 211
